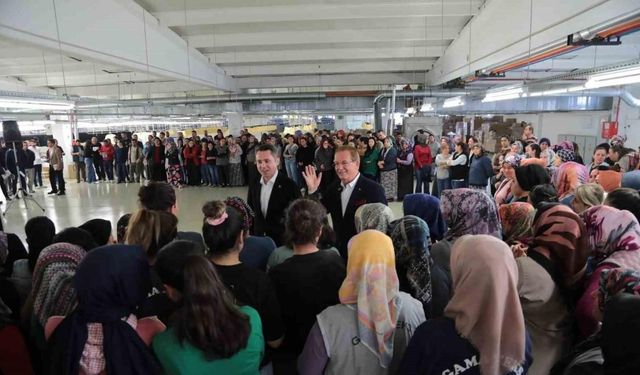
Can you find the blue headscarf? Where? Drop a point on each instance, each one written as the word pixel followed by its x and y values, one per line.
pixel 110 283
pixel 426 207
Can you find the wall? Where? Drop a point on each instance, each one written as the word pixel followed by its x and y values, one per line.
pixel 550 125
pixel 629 120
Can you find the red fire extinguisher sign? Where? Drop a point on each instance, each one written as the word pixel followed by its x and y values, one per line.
pixel 609 129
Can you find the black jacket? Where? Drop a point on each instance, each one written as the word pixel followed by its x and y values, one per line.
pixel 284 192
pixel 365 191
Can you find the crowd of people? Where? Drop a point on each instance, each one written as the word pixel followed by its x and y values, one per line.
pixel 526 262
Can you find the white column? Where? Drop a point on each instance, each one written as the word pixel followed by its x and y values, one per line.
pixel 235 123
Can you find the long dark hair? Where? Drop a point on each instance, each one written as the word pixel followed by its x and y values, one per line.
pixel 207 317
pixel 536 148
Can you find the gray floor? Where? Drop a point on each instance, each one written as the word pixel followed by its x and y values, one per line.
pixel 110 201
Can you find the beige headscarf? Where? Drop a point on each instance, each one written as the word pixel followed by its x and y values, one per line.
pixel 485 303
pixel 373 216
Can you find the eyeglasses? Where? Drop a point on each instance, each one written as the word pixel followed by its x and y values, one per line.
pixel 343 163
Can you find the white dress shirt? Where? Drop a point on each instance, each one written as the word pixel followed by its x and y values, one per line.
pixel 265 193
pixel 345 194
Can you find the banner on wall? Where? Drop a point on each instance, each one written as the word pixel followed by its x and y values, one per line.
pixel 609 129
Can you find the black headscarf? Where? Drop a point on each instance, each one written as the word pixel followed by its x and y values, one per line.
pixel 110 282
pixel 531 175
pixel 100 230
pixel 620 330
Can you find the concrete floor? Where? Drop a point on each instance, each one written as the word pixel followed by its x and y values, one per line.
pixel 110 201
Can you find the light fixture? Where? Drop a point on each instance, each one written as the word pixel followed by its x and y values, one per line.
pixel 453 102
pixel 41 104
pixel 427 107
pixel 411 111
pixel 494 96
pixel 549 92
pixel 615 78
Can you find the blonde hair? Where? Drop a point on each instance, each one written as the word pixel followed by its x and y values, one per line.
pixel 151 229
pixel 590 194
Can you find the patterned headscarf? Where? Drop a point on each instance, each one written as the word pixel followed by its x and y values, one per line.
pixel 566 155
pixel 617 280
pixel 485 304
pixel 53 292
pixel 614 236
pixel 618 140
pixel 517 220
pixel 373 216
pixel 426 207
pixel 564 145
pixel 247 213
pixel 469 211
pixel 411 242
pixel 560 235
pixel 512 160
pixel 372 289
pixel 568 177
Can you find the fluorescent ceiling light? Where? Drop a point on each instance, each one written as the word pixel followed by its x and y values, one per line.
pixel 453 102
pixel 615 78
pixel 494 96
pixel 549 92
pixel 426 107
pixel 41 104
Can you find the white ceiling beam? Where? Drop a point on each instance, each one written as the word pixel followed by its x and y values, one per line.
pixel 523 27
pixel 329 67
pixel 319 80
pixel 307 12
pixel 286 37
pixel 118 32
pixel 158 89
pixel 291 55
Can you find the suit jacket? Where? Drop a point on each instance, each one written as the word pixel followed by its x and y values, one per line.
pixel 365 191
pixel 284 192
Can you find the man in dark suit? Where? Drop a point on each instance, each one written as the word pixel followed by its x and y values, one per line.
pixel 343 197
pixel 270 195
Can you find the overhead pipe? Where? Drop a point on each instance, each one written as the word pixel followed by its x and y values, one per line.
pixel 623 94
pixel 615 27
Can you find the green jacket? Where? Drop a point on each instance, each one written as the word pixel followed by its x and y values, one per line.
pixel 369 163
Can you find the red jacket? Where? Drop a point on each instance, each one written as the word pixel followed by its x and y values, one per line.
pixel 422 156
pixel 107 152
pixel 191 155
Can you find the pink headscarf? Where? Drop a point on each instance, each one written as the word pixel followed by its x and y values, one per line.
pixel 485 303
pixel 568 177
pixel 614 236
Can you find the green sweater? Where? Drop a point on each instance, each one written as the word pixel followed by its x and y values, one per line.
pixel 369 163
pixel 185 359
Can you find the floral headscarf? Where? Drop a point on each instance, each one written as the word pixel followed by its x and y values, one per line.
pixel 614 236
pixel 410 236
pixel 469 211
pixel 512 160
pixel 568 177
pixel 618 140
pixel 517 221
pixel 617 280
pixel 372 289
pixel 247 213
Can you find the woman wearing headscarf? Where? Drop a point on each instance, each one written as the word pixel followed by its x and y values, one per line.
pixel 235 168
pixel 53 291
pixel 528 177
pixel 373 216
pixel 614 241
pixel 503 191
pixel 587 196
pixel 389 169
pixel 631 180
pixel 552 268
pixel 405 169
pixel 102 335
pixel 568 175
pixel 466 211
pixel 609 180
pixel 426 207
pixel 418 274
pixel 174 169
pixel 369 330
pixel 517 220
pixel 483 318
